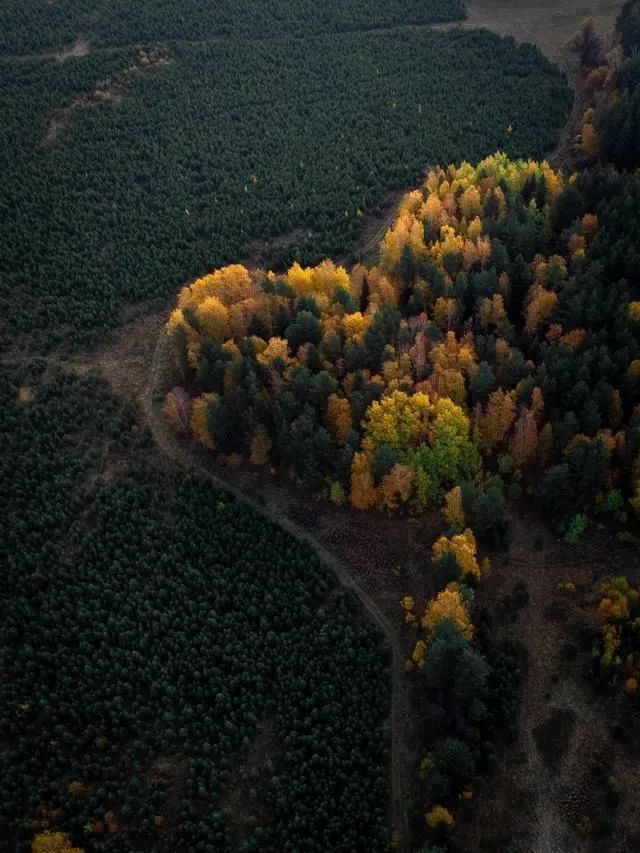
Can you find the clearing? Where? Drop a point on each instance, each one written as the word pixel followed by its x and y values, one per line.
pixel 549 25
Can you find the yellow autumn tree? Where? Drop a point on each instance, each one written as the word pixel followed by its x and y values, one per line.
pixel 524 441
pixel 407 230
pixel 395 488
pixel 448 604
pixel 439 815
pixel 355 325
pixel 53 842
pixel 491 312
pixel 463 547
pixel 494 421
pixel 398 419
pixel 363 492
pixel 419 652
pixel 338 418
pixel 540 306
pixel 447 383
pixel 590 225
pixel 277 348
pixel 228 284
pixel 213 320
pixel 452 354
pixel 327 277
pixel 470 203
pixel 381 289
pixel 177 410
pixel 200 419
pixel 445 312
pixel 434 211
pixel 589 135
pixel 634 311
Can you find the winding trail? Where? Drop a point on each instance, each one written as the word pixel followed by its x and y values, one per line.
pixel 275 512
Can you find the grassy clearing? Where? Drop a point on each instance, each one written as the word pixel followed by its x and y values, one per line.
pixel 549 25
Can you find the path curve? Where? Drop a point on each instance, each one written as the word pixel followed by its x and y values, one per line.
pixel 176 451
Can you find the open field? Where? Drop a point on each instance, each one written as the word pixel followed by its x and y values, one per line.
pixel 549 25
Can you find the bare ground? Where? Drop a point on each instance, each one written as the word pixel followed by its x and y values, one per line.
pixel 540 804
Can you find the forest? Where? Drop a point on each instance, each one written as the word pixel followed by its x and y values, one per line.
pixel 150 635
pixel 178 671
pixel 152 173
pixel 30 26
pixel 611 125
pixel 493 348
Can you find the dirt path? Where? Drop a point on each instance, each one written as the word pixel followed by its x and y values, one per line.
pixel 276 512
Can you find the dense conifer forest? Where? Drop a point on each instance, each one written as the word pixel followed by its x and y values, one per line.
pixel 151 633
pixel 31 26
pixel 126 173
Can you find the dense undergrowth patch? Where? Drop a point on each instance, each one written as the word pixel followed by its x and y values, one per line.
pixel 150 633
pixel 119 185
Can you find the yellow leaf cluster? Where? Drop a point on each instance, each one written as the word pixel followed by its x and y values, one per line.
pixel 53 842
pixel 491 312
pixel 338 418
pixel 363 492
pixel 619 598
pixel 395 488
pixel 199 419
pixel 540 306
pixel 277 348
pixel 464 548
pixel 494 422
pixel 355 325
pixel 399 420
pixel 321 279
pixel 229 284
pixel 439 815
pixel 213 320
pixel 419 652
pixel 407 230
pixel 448 604
pixel 634 311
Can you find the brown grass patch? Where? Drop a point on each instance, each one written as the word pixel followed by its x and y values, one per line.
pixel 549 25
